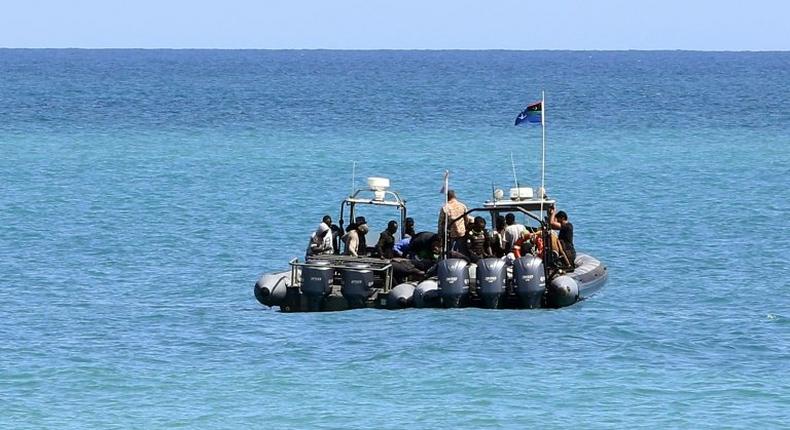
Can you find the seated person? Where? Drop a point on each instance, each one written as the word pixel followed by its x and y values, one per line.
pixel 386 244
pixel 424 245
pixel 529 243
pixel 402 247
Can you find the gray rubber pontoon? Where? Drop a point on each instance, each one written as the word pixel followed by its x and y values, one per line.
pixel 321 286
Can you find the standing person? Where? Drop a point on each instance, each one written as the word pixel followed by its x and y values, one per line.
pixel 498 244
pixel 386 243
pixel 320 241
pixel 452 210
pixel 513 232
pixel 559 221
pixel 478 244
pixel 408 227
pixel 352 238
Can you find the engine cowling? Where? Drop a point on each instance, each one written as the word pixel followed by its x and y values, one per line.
pixel 453 281
pixel 529 280
pixel 491 278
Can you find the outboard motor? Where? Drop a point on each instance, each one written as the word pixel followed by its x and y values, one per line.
pixel 402 296
pixel 316 284
pixel 426 295
pixel 453 281
pixel 491 276
pixel 564 291
pixel 529 279
pixel 270 289
pixel 357 282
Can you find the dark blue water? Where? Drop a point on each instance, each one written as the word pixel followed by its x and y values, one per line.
pixel 143 192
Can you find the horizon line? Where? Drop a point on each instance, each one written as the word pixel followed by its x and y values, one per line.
pixel 397 49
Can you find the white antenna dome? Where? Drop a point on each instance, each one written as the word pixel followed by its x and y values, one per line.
pixel 376 183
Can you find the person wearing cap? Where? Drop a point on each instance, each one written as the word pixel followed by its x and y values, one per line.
pixel 363 242
pixel 320 241
pixel 354 237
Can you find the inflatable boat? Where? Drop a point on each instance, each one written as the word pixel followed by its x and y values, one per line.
pixel 333 282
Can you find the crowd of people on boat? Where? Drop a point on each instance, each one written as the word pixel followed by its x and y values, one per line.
pixel 467 238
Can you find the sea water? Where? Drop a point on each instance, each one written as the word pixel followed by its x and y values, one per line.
pixel 143 193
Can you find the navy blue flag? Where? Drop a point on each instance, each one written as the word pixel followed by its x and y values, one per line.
pixel 532 114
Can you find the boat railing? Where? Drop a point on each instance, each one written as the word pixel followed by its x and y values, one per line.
pixel 379 266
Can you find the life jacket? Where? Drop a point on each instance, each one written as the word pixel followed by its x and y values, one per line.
pixel 537 241
pixel 477 240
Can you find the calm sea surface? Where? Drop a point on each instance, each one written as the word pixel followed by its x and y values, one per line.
pixel 143 192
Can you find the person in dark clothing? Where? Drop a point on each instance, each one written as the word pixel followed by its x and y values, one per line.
pixel 362 247
pixel 559 221
pixel 477 241
pixel 423 250
pixel 404 269
pixel 386 243
pixel 408 227
pixel 424 245
pixel 498 242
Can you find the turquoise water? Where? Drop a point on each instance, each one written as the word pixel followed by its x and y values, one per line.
pixel 143 192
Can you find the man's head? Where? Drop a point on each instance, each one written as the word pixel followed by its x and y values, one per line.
pixel 362 225
pixel 562 217
pixel 392 226
pixel 409 222
pixel 510 219
pixel 450 195
pixel 327 220
pixel 480 223
pixel 500 222
pixel 322 230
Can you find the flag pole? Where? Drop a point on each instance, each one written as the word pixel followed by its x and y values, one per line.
pixel 515 178
pixel 353 177
pixel 446 215
pixel 543 161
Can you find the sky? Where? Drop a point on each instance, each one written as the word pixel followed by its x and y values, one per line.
pixel 398 24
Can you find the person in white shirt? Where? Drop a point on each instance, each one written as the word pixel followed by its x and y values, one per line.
pixel 513 231
pixel 320 241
